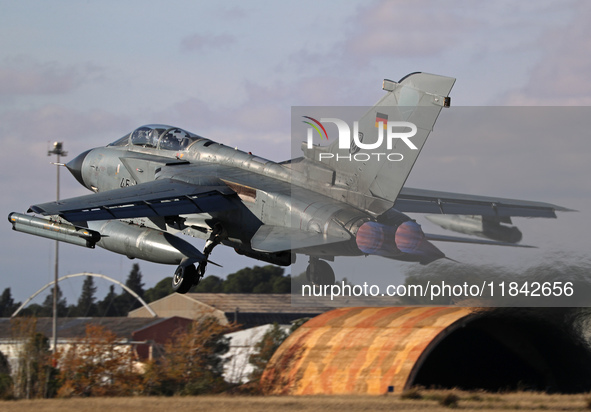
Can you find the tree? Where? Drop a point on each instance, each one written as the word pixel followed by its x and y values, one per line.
pixel 32 310
pixel 298 282
pixel 265 349
pixel 34 375
pixel 97 365
pixel 5 378
pixel 253 280
pixel 62 306
pixel 109 305
pixel 159 291
pixel 210 284
pixel 86 302
pixel 191 363
pixel 134 280
pixel 280 284
pixel 125 301
pixel 7 304
pixel 266 279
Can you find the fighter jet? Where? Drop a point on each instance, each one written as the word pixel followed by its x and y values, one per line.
pixel 346 198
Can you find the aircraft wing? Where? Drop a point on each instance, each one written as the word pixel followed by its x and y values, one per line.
pixel 162 197
pixel 431 201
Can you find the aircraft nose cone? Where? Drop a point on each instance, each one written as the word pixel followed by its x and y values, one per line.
pixel 75 166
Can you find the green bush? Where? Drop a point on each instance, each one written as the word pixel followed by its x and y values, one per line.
pixel 6 387
pixel 450 400
pixel 412 393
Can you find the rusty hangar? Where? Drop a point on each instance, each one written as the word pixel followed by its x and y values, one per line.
pixel 391 349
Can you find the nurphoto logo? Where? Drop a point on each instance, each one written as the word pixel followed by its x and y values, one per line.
pixel 354 141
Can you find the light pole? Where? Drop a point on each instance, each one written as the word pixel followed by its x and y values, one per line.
pixel 58 150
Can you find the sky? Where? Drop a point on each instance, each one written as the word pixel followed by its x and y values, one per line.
pixel 87 73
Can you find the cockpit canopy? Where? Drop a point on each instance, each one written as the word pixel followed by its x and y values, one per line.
pixel 158 136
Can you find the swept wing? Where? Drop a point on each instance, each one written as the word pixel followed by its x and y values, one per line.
pixel 412 200
pixel 163 197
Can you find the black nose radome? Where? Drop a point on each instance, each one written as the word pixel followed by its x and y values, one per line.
pixel 75 166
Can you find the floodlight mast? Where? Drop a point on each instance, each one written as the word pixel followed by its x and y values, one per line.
pixel 58 150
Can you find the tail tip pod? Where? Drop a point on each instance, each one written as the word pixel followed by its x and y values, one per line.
pixel 429 83
pixel 433 84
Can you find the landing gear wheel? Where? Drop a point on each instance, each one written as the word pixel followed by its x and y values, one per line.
pixel 184 277
pixel 319 272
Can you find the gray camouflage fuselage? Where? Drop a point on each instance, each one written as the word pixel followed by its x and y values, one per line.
pixel 343 199
pixel 283 202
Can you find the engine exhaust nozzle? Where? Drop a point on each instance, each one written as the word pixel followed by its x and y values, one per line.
pixel 404 242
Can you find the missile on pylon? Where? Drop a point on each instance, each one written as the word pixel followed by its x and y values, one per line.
pixel 50 229
pixel 127 239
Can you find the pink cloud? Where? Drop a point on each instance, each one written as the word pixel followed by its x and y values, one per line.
pixel 561 76
pixel 24 76
pixel 198 42
pixel 403 27
pixel 52 122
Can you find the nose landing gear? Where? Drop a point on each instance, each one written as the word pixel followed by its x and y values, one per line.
pixel 187 275
pixel 217 235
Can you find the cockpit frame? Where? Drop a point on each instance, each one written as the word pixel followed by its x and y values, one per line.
pixel 159 137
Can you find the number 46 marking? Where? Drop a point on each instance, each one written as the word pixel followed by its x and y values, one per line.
pixel 126 182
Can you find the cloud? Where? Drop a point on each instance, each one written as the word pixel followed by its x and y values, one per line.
pixel 234 13
pixel 260 122
pixel 257 112
pixel 264 108
pixel 404 28
pixel 53 122
pixel 561 76
pixel 536 153
pixel 25 137
pixel 229 124
pixel 25 76
pixel 199 42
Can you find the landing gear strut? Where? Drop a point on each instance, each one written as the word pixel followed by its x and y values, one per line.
pixel 217 235
pixel 187 275
pixel 319 272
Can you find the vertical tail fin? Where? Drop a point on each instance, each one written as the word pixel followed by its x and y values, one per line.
pixel 417 98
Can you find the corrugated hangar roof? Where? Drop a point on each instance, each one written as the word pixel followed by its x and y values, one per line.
pixel 247 309
pixel 252 303
pixel 377 350
pixel 357 350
